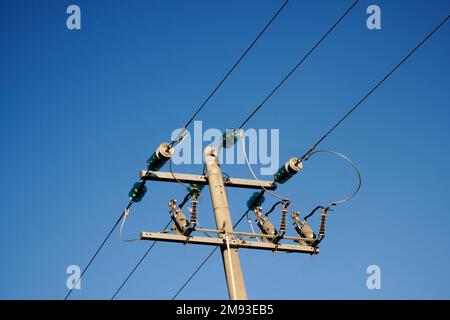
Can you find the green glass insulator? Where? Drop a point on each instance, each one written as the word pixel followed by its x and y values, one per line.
pixel 137 192
pixel 282 175
pixel 256 200
pixel 195 188
pixel 159 157
pixel 288 170
pixel 154 163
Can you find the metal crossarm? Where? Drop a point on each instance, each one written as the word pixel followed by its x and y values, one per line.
pixel 203 180
pixel 234 243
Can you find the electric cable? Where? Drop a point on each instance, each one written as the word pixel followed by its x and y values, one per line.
pixel 292 71
pixel 237 62
pixel 273 208
pixel 355 168
pixel 283 199
pixel 97 252
pixel 138 264
pixel 308 153
pixel 121 229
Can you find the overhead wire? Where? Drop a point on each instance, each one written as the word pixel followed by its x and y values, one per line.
pixel 173 175
pixel 194 273
pixel 138 264
pixel 125 216
pixel 233 67
pixel 308 153
pixel 349 197
pixel 355 168
pixel 292 71
pixel 284 199
pixel 276 204
pixel 97 252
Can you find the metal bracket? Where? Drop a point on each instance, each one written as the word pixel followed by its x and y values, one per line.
pixel 234 243
pixel 203 180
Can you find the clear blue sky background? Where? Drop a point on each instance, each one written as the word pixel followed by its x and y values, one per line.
pixel 80 112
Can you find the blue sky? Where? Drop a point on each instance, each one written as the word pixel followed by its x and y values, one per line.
pixel 81 111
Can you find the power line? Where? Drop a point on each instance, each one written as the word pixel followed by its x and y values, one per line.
pixel 289 74
pixel 185 126
pixel 229 72
pixel 195 272
pixel 97 252
pixel 205 260
pixel 138 264
pixel 308 153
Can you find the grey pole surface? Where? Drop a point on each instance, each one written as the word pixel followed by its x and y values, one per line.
pixel 230 256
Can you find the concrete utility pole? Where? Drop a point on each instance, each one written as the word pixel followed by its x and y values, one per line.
pixel 230 256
